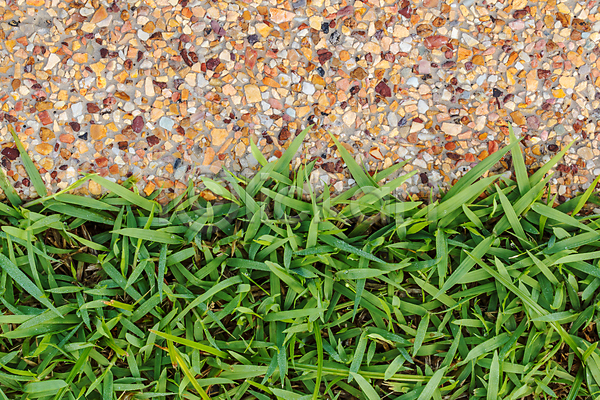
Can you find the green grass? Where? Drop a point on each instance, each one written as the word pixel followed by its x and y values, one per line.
pixel 277 291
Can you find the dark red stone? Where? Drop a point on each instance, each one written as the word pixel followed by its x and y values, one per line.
pixel 75 126
pixel 10 152
pixel 324 55
pixel 543 73
pixel 213 63
pixel 383 89
pixel 138 124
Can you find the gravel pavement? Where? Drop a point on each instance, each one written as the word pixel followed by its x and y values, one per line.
pixel 170 90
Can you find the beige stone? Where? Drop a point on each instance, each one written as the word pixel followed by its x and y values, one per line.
pixel 229 90
pixel 586 153
pixel 252 93
pixel 451 129
pixel 349 118
pixel 568 82
pixel 279 16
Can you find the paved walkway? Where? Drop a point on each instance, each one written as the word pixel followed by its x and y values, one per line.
pixel 169 89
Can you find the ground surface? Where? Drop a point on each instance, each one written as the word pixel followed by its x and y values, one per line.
pixel 173 89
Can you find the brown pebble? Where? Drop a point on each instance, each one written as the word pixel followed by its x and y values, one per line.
pixel 453 156
pixel 65 154
pixel 284 134
pixel 424 30
pixel 358 74
pixel 492 146
pixel 122 96
pixel 581 25
pixel 439 22
pixel 543 73
pixel 46 134
pixel 92 108
pixel 152 140
pixel 75 126
pixel 324 55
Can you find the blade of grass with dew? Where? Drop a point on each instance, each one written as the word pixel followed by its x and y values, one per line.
pixel 150 235
pixel 359 353
pixel 86 202
pixel 421 332
pixel 218 189
pixel 162 264
pixel 494 381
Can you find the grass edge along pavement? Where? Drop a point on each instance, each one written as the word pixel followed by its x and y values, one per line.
pixel 277 292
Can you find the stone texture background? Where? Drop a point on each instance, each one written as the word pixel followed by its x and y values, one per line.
pixel 172 89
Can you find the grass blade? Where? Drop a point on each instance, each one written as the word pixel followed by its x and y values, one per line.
pixel 365 386
pixel 23 280
pixel 478 171
pixel 494 383
pixel 150 235
pixel 126 194
pixel 433 384
pixel 9 190
pixel 30 168
pixel 358 173
pixel 519 163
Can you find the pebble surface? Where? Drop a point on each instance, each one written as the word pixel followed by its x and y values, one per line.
pixel 170 90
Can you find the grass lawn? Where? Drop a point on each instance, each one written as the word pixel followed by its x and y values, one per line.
pixel 278 292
